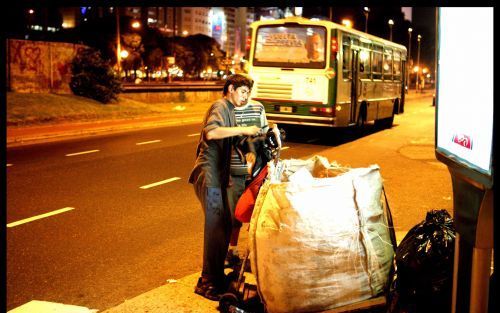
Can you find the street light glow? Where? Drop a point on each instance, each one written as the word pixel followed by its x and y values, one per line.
pixel 391 22
pixel 136 24
pixel 410 29
pixel 124 54
pixel 347 23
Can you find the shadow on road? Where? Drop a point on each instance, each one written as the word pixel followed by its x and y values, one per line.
pixel 328 136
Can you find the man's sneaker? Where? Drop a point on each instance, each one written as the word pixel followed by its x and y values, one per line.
pixel 232 259
pixel 208 290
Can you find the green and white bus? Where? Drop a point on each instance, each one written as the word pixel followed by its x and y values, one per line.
pixel 319 73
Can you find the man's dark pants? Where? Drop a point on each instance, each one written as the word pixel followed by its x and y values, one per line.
pixel 217 230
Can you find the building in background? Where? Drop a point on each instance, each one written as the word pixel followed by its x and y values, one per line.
pixel 228 25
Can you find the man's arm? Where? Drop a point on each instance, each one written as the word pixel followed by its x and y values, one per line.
pixel 224 132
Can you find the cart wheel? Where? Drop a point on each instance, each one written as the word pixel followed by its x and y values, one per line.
pixel 226 301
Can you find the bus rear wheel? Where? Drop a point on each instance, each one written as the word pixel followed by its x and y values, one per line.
pixel 388 121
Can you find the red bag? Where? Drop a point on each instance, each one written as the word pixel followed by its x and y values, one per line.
pixel 244 207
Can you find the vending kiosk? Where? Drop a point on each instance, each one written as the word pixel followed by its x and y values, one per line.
pixel 464 142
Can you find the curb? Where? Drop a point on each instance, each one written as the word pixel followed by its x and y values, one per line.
pixel 50 133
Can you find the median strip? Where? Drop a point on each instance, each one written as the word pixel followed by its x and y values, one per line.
pixel 166 181
pixel 37 217
pixel 83 152
pixel 147 142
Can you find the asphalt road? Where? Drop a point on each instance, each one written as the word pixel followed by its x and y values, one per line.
pixel 131 220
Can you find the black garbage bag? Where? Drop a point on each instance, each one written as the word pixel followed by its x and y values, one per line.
pixel 424 267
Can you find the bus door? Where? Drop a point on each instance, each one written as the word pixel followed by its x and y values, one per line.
pixel 404 84
pixel 354 84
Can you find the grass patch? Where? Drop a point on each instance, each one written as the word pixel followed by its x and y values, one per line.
pixel 40 108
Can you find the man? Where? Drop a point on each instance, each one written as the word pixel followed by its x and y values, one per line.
pixel 210 177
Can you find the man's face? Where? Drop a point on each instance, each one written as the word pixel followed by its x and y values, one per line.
pixel 238 96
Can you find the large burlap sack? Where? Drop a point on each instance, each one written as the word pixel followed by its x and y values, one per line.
pixel 318 243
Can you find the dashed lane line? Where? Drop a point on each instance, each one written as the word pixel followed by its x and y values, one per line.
pixel 192 135
pixel 166 181
pixel 37 217
pixel 284 148
pixel 147 142
pixel 80 153
pixel 8 164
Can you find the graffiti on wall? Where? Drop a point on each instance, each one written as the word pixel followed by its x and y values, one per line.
pixel 38 66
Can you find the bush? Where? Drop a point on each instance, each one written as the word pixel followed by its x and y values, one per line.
pixel 93 77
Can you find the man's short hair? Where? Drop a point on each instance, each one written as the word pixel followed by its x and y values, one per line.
pixel 237 80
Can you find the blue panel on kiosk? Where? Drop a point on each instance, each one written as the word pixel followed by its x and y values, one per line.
pixel 464 92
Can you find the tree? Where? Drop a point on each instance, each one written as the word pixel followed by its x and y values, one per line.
pixel 196 53
pixel 93 77
pixel 132 42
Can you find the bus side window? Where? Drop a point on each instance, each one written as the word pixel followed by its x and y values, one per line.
pixel 397 66
pixel 346 58
pixel 364 63
pixel 387 64
pixel 377 62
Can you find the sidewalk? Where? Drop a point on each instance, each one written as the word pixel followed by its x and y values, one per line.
pixel 22 135
pixel 179 296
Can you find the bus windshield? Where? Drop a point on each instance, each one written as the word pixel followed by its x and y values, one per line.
pixel 290 46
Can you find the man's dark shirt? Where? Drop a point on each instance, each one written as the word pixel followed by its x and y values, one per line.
pixel 213 157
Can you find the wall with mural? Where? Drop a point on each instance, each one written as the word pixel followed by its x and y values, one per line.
pixel 39 66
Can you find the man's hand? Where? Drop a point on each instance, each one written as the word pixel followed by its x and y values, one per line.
pixel 250 130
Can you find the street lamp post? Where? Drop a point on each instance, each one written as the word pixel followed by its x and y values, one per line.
pixel 418 61
pixel 366 11
pixel 391 22
pixel 409 59
pixel 118 45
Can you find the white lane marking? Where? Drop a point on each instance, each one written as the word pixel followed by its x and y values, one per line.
pixel 192 135
pixel 83 152
pixel 147 142
pixel 8 164
pixel 166 181
pixel 46 306
pixel 284 148
pixel 37 217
